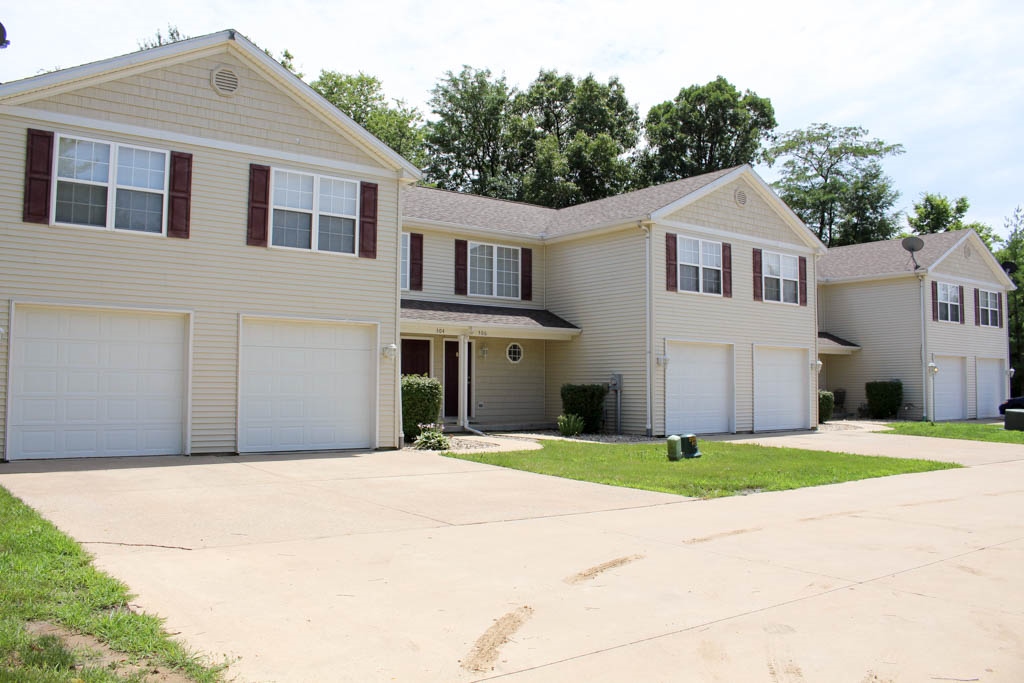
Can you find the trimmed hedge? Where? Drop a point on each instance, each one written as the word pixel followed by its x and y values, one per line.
pixel 826 404
pixel 421 403
pixel 587 401
pixel 884 398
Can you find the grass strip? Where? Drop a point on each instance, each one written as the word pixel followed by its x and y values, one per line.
pixel 969 431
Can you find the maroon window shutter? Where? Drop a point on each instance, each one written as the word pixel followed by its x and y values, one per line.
pixel 259 205
pixel 935 300
pixel 803 280
pixel 526 276
pixel 999 308
pixel 977 308
pixel 416 261
pixel 368 220
pixel 963 317
pixel 179 197
pixel 726 269
pixel 671 265
pixel 38 169
pixel 758 284
pixel 461 267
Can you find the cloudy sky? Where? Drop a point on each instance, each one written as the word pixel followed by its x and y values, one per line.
pixel 945 79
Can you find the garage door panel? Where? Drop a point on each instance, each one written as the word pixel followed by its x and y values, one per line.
pixel 991 386
pixel 781 389
pixel 950 388
pixel 96 383
pixel 698 392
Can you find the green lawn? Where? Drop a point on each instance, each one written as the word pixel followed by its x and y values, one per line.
pixel 724 470
pixel 44 575
pixel 971 431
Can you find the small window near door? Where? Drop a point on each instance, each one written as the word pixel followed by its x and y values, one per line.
pixel 514 353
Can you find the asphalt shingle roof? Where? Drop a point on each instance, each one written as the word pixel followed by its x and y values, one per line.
pixel 415 309
pixel 884 258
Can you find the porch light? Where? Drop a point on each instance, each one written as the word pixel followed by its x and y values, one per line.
pixel 1009 373
pixel 817 366
pixel 933 368
pixel 483 350
pixel 389 351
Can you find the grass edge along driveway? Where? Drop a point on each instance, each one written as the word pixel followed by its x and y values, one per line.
pixel 971 431
pixel 47 576
pixel 725 469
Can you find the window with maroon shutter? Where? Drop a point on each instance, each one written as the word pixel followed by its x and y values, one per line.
pixel 416 261
pixel 179 200
pixel 999 308
pixel 368 220
pixel 671 267
pixel 699 265
pixel 758 282
pixel 526 275
pixel 988 308
pixel 935 301
pixel 961 300
pixel 803 280
pixel 977 308
pixel 948 303
pixel 461 266
pixel 259 205
pixel 726 270
pixel 38 167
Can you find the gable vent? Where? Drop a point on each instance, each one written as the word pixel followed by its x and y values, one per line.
pixel 224 81
pixel 740 196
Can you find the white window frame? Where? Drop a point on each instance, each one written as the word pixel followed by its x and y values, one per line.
pixel 781 278
pixel 494 270
pixel 404 260
pixel 988 308
pixel 315 212
pixel 943 292
pixel 700 265
pixel 111 185
pixel 508 353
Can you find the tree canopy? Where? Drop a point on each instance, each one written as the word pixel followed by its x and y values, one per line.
pixel 832 179
pixel 936 212
pixel 705 128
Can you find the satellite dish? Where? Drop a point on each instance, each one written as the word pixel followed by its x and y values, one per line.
pixel 1009 267
pixel 3 37
pixel 912 244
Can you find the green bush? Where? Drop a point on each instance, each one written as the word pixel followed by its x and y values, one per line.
pixel 826 403
pixel 431 438
pixel 570 425
pixel 587 401
pixel 421 403
pixel 884 398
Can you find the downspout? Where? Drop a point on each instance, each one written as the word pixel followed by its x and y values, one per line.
pixel 648 330
pixel 398 431
pixel 926 411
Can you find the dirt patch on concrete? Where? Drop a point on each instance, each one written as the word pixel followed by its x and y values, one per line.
pixel 487 648
pixel 588 574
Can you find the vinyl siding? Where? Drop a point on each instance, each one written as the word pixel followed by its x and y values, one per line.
pixel 884 319
pixel 969 261
pixel 597 283
pixel 180 99
pixel 508 394
pixel 739 320
pixel 213 274
pixel 439 270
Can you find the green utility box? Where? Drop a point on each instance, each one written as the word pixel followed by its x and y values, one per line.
pixel 675 448
pixel 1014 420
pixel 685 446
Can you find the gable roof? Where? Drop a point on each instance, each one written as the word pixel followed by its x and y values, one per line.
pixel 430 206
pixel 888 258
pixel 34 87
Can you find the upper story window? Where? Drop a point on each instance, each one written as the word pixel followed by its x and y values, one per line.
pixel 405 261
pixel 314 212
pixel 494 270
pixel 988 308
pixel 949 303
pixel 781 275
pixel 700 265
pixel 111 186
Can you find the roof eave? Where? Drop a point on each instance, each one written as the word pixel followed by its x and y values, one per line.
pixel 487 330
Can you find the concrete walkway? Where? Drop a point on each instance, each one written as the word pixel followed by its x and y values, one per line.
pixel 415 567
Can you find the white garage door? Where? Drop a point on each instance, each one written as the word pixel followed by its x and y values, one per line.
pixel 94 382
pixel 699 388
pixel 306 386
pixel 781 391
pixel 950 388
pixel 991 386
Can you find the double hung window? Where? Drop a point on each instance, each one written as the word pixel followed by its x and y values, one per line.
pixel 700 265
pixel 494 270
pixel 111 186
pixel 781 274
pixel 949 303
pixel 988 308
pixel 314 212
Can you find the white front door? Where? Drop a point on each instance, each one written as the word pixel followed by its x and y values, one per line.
pixel 991 386
pixel 950 388
pixel 306 385
pixel 88 382
pixel 781 390
pixel 699 388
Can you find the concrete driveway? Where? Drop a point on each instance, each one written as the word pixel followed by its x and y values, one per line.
pixel 415 567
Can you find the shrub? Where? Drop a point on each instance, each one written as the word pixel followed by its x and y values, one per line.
pixel 587 401
pixel 431 438
pixel 884 398
pixel 570 425
pixel 826 402
pixel 421 403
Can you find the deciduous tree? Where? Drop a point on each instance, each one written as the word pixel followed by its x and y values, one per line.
pixel 936 212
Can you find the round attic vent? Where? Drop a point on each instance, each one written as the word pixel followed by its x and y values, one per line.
pixel 224 81
pixel 740 196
